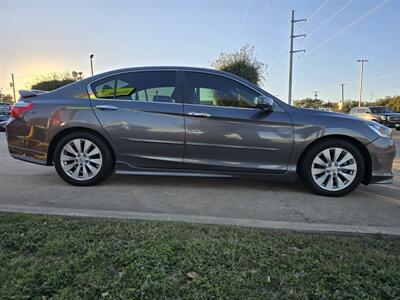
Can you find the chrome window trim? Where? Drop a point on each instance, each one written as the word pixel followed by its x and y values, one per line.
pixel 234 107
pixel 92 96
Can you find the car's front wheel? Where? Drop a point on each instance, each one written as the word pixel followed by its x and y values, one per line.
pixel 83 159
pixel 332 168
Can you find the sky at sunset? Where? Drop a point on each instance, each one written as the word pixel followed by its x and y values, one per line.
pixel 39 37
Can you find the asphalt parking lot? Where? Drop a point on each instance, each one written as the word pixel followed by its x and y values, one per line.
pixel 28 187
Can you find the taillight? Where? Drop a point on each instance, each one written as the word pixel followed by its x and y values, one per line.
pixel 19 108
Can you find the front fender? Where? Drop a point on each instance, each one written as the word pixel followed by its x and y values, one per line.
pixel 311 125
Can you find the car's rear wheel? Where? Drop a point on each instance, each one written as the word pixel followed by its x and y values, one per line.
pixel 332 168
pixel 83 159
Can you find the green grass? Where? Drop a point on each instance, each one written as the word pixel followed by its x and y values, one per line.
pixel 45 257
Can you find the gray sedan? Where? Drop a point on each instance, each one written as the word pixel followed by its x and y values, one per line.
pixel 193 122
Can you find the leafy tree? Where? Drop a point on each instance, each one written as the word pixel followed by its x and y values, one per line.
pixel 348 105
pixel 391 101
pixel 380 102
pixel 394 103
pixel 52 81
pixel 331 105
pixel 308 103
pixel 242 63
pixel 6 98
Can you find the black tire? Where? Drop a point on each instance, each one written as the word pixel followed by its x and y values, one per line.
pixel 398 128
pixel 106 168
pixel 307 160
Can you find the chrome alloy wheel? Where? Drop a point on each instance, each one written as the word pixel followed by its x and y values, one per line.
pixel 81 159
pixel 334 169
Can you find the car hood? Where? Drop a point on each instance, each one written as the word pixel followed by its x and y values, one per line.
pixel 316 123
pixel 325 113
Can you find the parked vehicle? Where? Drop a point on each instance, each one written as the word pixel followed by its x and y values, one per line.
pixel 4 119
pixel 381 114
pixel 193 122
pixel 4 108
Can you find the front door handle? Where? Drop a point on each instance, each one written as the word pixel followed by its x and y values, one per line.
pixel 106 107
pixel 199 114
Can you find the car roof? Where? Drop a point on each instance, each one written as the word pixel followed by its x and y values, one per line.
pixel 175 68
pixel 99 76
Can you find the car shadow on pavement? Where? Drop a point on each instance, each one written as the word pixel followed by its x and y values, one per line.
pixel 204 182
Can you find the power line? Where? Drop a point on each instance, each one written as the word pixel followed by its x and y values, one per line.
pixel 330 18
pixel 318 10
pixel 279 55
pixel 371 11
pixel 284 49
pixel 237 12
pixel 262 19
pixel 241 23
pixel 377 77
pixel 373 78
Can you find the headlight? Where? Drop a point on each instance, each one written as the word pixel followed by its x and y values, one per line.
pixel 383 118
pixel 381 130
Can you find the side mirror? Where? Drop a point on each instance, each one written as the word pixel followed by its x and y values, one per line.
pixel 265 103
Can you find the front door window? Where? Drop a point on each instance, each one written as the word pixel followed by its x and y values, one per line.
pixel 209 89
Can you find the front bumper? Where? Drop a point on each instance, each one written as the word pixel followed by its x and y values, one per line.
pixel 382 152
pixel 390 124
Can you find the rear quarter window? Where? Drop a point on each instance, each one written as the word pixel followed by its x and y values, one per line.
pixel 104 89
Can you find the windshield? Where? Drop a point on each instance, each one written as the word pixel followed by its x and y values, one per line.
pixel 381 110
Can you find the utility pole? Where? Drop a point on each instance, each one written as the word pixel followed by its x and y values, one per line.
pixel 13 86
pixel 362 61
pixel 316 95
pixel 342 101
pixel 91 63
pixel 292 37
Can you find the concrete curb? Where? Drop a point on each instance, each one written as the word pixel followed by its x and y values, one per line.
pixel 297 226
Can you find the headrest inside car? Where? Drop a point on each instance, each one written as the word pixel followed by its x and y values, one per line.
pixel 159 98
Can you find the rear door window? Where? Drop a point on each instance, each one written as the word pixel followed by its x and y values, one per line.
pixel 147 86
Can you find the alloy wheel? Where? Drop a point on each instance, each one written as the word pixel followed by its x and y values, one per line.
pixel 81 159
pixel 334 169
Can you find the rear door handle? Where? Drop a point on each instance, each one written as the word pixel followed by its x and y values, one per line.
pixel 199 114
pixel 106 107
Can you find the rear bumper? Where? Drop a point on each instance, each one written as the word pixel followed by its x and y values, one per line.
pixel 27 142
pixel 28 158
pixel 382 152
